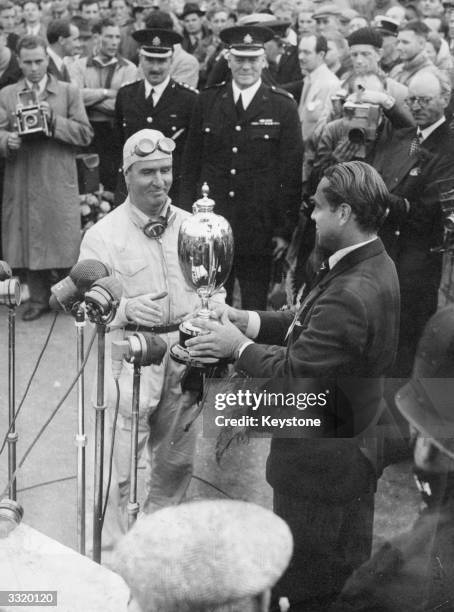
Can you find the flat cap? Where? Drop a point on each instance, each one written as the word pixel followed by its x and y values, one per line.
pixel 365 36
pixel 146 145
pixel 427 400
pixel 156 42
pixel 386 25
pixel 204 553
pixel 247 40
pixel 327 10
pixel 267 20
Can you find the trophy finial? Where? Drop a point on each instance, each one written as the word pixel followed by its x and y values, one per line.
pixel 205 204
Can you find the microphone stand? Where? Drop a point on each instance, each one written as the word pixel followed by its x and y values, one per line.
pixel 80 438
pixel 100 408
pixel 101 303
pixel 133 505
pixel 13 300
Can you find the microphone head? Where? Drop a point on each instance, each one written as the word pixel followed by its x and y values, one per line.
pixel 86 272
pixel 110 284
pixel 5 271
pixel 64 295
pixel 11 514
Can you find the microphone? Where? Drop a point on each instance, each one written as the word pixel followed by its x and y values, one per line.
pixel 102 299
pixel 5 271
pixel 69 292
pixel 142 349
pixel 11 513
pixel 9 291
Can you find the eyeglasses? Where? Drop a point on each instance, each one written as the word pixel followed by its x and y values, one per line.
pixel 422 101
pixel 147 147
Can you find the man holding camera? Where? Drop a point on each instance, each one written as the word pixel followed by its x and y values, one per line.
pixel 412 162
pixel 41 218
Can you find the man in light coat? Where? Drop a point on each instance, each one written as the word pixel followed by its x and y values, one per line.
pixel 41 219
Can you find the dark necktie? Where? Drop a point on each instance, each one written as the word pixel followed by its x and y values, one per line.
pixel 150 97
pixel 239 107
pixel 415 145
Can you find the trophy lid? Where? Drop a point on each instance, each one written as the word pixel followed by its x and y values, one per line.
pixel 205 204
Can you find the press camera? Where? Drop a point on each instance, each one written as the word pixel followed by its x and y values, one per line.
pixel 363 121
pixel 31 117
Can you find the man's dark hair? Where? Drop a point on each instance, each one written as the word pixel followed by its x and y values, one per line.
pixel 416 26
pixel 87 3
pixel 362 188
pixel 321 44
pixel 6 6
pixel 57 28
pixel 245 7
pixel 102 24
pixel 31 42
pixel 159 19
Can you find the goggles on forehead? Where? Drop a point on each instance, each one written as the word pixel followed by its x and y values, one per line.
pixel 146 147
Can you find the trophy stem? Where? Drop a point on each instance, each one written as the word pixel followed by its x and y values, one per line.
pixel 204 311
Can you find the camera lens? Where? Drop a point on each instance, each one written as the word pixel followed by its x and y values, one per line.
pixel 31 120
pixel 357 136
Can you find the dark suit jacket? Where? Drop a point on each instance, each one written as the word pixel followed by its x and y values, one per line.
pixel 346 338
pixel 252 165
pixel 12 73
pixel 409 237
pixel 62 75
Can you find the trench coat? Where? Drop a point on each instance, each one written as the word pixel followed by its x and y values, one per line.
pixel 41 213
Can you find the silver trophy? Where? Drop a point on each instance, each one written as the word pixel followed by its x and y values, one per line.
pixel 205 251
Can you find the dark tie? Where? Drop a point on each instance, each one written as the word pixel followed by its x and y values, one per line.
pixel 239 107
pixel 150 97
pixel 415 145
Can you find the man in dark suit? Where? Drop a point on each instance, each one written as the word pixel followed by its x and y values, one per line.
pixel 411 163
pixel 245 142
pixel 340 341
pixel 157 101
pixel 62 37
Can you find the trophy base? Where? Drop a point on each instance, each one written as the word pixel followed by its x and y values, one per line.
pixel 179 352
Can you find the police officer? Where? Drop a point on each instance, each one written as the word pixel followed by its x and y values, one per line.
pixel 245 142
pixel 156 101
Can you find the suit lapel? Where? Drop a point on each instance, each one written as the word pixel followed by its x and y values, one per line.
pixel 259 105
pixel 139 99
pixel 402 161
pixel 165 98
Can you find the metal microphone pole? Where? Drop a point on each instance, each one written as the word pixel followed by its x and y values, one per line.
pixel 12 300
pixel 133 505
pixel 101 302
pixel 81 438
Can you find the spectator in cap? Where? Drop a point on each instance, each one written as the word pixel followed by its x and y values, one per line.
pixel 245 142
pixel 196 36
pixel 388 28
pixel 185 67
pixel 366 51
pixel 99 77
pixel 414 570
pixel 327 19
pixel 211 555
pixel 411 45
pixel 356 23
pixel 156 101
pixel 138 241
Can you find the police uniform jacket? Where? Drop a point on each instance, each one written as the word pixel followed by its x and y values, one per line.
pixel 171 116
pixel 252 164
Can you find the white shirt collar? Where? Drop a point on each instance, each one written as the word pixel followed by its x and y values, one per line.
pixel 158 89
pixel 33 30
pixel 319 71
pixel 338 255
pixel 246 94
pixel 426 132
pixel 41 85
pixel 58 61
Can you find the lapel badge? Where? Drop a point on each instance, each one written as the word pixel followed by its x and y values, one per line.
pixel 156 42
pixel 247 39
pixel 415 171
